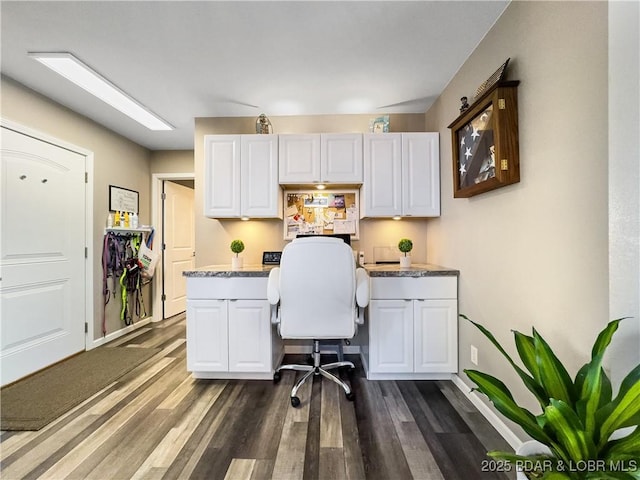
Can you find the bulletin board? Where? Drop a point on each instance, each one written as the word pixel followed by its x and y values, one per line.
pixel 321 212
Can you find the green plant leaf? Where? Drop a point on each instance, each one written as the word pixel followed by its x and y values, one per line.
pixel 590 394
pixel 569 431
pixel 604 338
pixel 606 390
pixel 527 351
pixel 624 447
pixel 611 476
pixel 502 399
pixel 553 376
pixel 624 411
pixel 531 384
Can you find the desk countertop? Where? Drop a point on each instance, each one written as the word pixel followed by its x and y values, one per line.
pixel 374 270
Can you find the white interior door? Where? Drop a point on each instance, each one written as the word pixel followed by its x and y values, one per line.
pixel 179 239
pixel 42 254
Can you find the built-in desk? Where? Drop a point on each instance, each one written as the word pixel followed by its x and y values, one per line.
pixel 410 328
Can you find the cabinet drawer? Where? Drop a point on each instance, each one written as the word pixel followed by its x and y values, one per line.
pixel 414 287
pixel 227 288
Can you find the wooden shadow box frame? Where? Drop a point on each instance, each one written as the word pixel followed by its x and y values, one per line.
pixel 485 145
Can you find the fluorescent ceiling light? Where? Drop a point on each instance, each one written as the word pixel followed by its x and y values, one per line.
pixel 74 70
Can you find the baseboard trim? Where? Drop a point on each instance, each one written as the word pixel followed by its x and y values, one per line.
pixel 497 422
pixel 119 333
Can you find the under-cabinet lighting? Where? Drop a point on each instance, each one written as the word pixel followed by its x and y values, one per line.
pixel 244 219
pixel 321 186
pixel 396 218
pixel 74 70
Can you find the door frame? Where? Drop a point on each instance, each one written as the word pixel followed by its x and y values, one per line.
pixel 89 263
pixel 156 221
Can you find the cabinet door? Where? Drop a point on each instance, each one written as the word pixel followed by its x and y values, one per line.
pixel 435 336
pixel 222 176
pixel 249 336
pixel 390 336
pixel 260 197
pixel 207 346
pixel 341 157
pixel 420 175
pixel 381 192
pixel 299 158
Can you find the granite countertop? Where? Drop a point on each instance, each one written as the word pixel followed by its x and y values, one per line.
pixel 415 270
pixel 374 270
pixel 227 271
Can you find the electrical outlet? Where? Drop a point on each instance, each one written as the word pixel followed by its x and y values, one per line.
pixel 474 355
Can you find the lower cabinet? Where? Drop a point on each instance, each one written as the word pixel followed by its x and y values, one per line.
pixel 415 336
pixel 230 337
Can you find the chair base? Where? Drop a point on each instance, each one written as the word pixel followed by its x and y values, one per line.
pixel 315 369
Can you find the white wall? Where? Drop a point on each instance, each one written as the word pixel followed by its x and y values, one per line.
pixel 624 184
pixel 534 254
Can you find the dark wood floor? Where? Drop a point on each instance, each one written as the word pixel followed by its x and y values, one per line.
pixel 158 422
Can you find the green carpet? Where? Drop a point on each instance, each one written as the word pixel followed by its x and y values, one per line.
pixel 32 403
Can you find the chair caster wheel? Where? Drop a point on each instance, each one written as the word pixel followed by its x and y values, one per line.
pixel 276 377
pixel 295 401
pixel 350 396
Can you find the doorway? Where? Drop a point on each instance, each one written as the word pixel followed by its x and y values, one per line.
pixel 173 218
pixel 44 253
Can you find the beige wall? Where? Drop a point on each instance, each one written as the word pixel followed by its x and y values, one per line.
pixel 534 254
pixel 117 161
pixel 172 161
pixel 214 236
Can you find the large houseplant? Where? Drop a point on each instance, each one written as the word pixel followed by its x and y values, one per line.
pixel 578 416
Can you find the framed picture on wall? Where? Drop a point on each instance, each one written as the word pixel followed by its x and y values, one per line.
pixel 485 142
pixel 123 200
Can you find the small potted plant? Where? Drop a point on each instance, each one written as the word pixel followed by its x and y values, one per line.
pixel 237 246
pixel 405 246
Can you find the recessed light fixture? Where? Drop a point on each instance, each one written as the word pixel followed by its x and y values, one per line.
pixel 396 218
pixel 244 219
pixel 320 186
pixel 82 75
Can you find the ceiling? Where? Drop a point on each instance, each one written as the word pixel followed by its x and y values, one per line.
pixel 188 59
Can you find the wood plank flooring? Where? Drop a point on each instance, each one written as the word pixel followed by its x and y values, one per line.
pixel 159 423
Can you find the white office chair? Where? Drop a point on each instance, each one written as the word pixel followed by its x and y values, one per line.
pixel 317 294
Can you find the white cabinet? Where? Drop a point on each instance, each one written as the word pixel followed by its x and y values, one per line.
pixel 435 336
pixel 334 158
pixel 230 336
pixel 241 176
pixel 299 158
pixel 207 344
pixel 390 336
pixel 413 327
pixel 249 336
pixel 401 175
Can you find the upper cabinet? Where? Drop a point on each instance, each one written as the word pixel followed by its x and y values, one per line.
pixel 401 175
pixel 333 158
pixel 241 176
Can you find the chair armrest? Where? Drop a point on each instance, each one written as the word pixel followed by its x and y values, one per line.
pixel 362 287
pixel 273 286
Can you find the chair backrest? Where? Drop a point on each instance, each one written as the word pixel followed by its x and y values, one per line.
pixel 317 289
